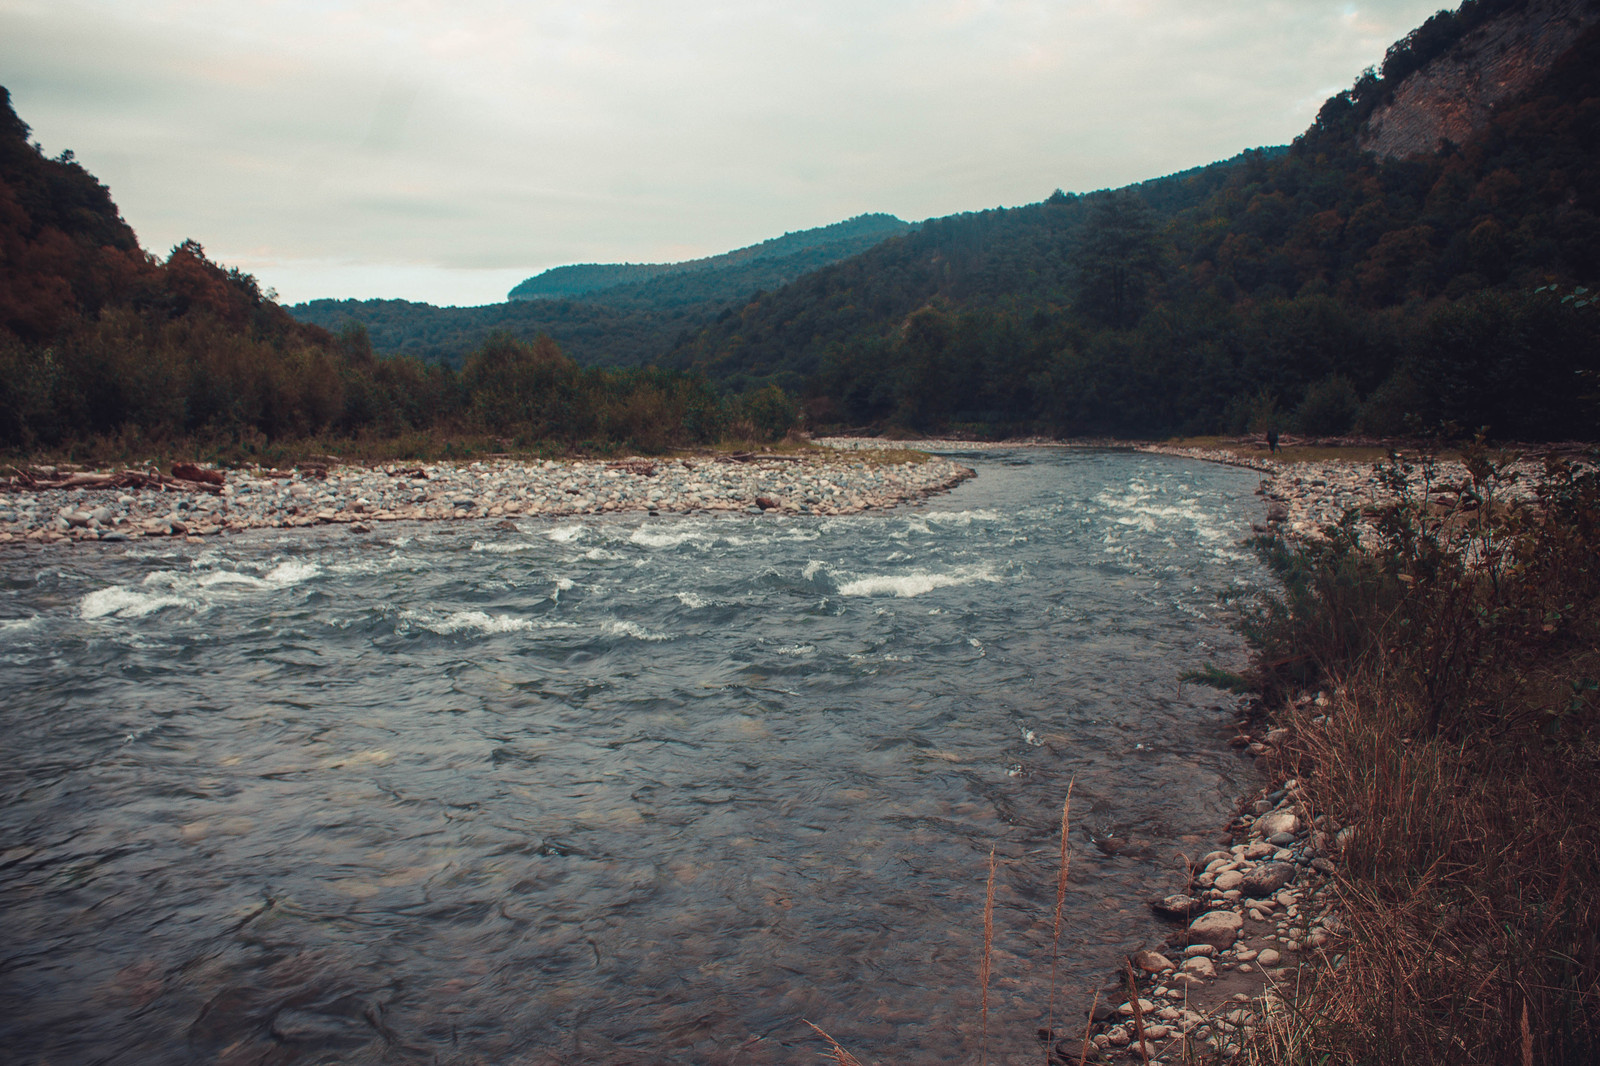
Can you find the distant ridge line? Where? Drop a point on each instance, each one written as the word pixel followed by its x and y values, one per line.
pixel 579 279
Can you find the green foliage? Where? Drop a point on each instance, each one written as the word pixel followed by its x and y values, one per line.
pixel 618 314
pixel 770 412
pixel 1329 408
pixel 1220 679
pixel 735 273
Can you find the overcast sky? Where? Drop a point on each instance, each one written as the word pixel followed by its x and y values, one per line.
pixel 442 150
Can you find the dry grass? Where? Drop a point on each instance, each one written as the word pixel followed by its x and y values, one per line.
pixel 840 1056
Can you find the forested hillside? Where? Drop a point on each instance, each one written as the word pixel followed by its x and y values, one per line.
pixel 612 314
pixel 1322 289
pixel 103 345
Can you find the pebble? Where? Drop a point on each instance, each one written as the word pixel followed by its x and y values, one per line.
pixel 1304 498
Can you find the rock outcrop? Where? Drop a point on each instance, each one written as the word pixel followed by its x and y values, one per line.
pixel 1455 95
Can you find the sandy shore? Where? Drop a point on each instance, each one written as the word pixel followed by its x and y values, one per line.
pixel 32 510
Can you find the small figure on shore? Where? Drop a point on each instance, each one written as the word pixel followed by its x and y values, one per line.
pixel 1272 440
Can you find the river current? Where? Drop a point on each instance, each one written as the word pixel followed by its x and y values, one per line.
pixel 613 789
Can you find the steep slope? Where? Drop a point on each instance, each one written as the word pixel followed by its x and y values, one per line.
pixel 64 249
pixel 1457 93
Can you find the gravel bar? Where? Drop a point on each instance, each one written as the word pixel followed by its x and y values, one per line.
pixel 358 497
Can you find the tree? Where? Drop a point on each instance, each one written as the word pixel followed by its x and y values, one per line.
pixel 1118 260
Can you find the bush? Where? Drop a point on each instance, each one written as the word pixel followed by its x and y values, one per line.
pixel 770 412
pixel 1329 407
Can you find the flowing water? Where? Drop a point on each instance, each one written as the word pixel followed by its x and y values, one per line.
pixel 613 789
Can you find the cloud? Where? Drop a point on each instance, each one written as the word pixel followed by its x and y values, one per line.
pixel 410 139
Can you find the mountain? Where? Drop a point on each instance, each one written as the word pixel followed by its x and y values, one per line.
pixel 1001 257
pixel 617 314
pixel 781 259
pixel 1324 287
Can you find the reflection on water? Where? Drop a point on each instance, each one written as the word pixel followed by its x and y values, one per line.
pixel 611 788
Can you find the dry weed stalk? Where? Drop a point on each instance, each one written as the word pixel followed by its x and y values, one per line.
pixel 841 1057
pixel 988 943
pixel 1055 937
pixel 1088 1030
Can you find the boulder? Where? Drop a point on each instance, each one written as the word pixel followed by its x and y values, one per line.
pixel 1217 928
pixel 1269 825
pixel 1179 907
pixel 1152 962
pixel 1267 879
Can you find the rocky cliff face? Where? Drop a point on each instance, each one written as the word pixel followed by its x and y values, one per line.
pixel 1456 94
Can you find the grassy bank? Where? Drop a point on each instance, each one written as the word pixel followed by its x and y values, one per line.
pixel 1456 769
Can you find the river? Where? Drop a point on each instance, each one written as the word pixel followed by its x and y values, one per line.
pixel 613 789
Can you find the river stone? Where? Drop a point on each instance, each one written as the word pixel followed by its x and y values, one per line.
pixel 1179 907
pixel 1229 879
pixel 1200 966
pixel 1269 957
pixel 1217 928
pixel 1267 879
pixel 1152 962
pixel 1269 825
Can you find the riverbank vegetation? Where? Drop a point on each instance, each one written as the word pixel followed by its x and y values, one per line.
pixel 1456 767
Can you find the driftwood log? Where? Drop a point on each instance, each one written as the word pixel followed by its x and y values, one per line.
pixel 153 480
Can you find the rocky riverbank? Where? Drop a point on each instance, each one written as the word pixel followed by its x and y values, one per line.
pixel 49 505
pixel 1252 914
pixel 1258 915
pixel 1304 497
